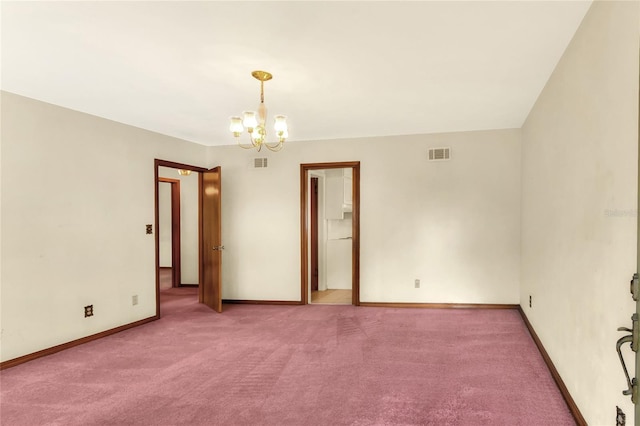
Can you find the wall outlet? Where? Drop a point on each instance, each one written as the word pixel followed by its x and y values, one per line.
pixel 529 300
pixel 134 299
pixel 88 311
pixel 417 283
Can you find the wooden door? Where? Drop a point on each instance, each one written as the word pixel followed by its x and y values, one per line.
pixel 211 239
pixel 314 234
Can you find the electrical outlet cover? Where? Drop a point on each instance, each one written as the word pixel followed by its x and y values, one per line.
pixel 88 311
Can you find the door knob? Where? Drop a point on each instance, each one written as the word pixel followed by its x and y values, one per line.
pixel 218 247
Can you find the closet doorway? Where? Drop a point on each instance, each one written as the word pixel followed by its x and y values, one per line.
pixel 330 242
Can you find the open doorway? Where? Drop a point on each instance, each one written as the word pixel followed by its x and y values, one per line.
pixel 178 226
pixel 192 230
pixel 169 231
pixel 330 206
pixel 177 231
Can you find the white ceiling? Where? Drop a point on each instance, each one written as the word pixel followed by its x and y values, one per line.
pixel 341 69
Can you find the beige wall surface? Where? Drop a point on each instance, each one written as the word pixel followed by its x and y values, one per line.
pixel 77 191
pixel 455 225
pixel 580 172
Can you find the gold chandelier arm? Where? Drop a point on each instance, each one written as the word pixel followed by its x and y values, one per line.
pixel 274 147
pixel 245 146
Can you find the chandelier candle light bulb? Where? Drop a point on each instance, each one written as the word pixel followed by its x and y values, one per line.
pixel 249 121
pixel 236 126
pixel 254 123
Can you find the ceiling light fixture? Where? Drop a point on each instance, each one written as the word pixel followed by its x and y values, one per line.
pixel 255 124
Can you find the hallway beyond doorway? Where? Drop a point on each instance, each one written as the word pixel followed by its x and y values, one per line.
pixel 166 278
pixel 331 297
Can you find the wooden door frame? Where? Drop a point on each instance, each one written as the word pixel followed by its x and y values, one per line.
pixel 314 231
pixel 355 224
pixel 156 169
pixel 176 259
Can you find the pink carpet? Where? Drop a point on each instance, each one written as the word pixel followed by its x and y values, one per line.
pixel 293 365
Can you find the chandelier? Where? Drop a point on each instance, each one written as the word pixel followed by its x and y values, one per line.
pixel 254 123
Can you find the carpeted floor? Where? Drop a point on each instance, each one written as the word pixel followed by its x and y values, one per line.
pixel 293 365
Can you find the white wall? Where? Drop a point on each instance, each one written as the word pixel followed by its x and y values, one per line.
pixel 188 223
pixel 580 172
pixel 455 225
pixel 164 224
pixel 77 191
pixel 339 264
pixel 189 228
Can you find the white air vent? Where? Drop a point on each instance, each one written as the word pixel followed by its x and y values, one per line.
pixel 436 154
pixel 259 163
